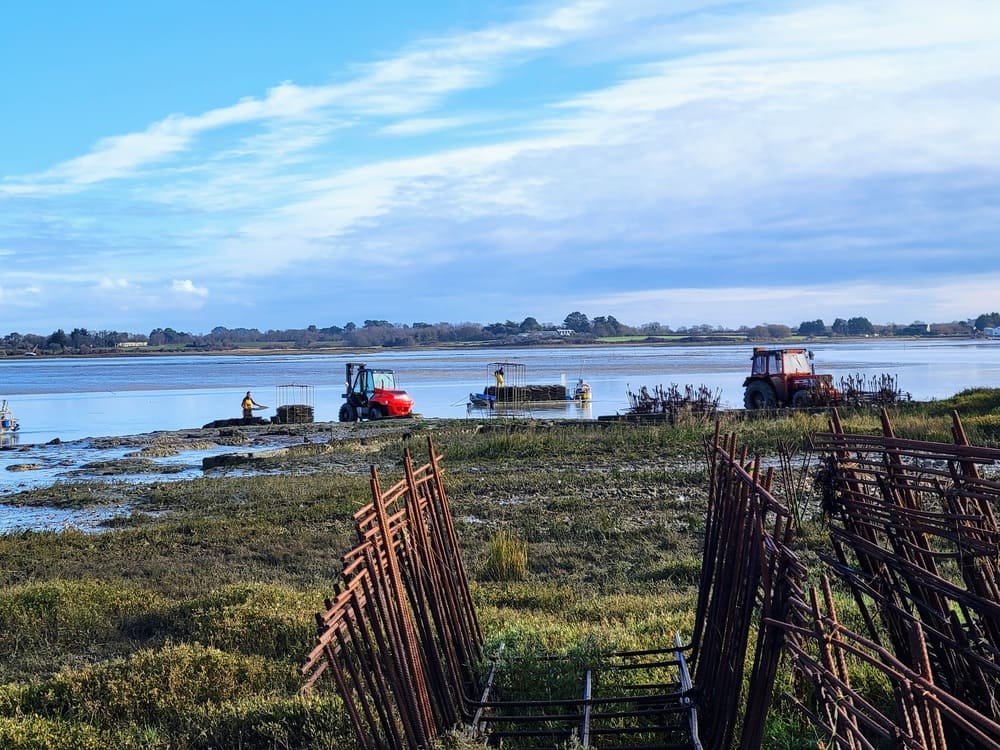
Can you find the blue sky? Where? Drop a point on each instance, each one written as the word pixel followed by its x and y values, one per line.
pixel 193 164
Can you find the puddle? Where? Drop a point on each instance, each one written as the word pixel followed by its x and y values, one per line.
pixel 32 467
pixel 131 460
pixel 14 518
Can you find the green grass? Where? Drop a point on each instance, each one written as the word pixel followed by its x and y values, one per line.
pixel 182 626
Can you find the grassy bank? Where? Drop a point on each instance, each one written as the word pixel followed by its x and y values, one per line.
pixel 182 625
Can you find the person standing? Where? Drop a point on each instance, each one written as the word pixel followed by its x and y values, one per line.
pixel 248 406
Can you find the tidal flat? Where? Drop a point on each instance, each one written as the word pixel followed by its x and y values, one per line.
pixel 179 621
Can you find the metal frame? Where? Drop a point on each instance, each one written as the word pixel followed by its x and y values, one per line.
pixel 915 542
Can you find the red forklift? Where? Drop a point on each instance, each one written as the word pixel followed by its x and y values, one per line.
pixel 373 394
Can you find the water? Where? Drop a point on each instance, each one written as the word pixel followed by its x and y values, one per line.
pixel 71 399
pixel 76 399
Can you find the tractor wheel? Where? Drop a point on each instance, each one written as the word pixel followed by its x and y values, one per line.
pixel 759 395
pixel 348 413
pixel 376 412
pixel 802 399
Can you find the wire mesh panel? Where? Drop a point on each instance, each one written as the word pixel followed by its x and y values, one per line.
pixel 508 390
pixel 294 404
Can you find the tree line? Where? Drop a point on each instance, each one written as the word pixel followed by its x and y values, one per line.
pixel 575 327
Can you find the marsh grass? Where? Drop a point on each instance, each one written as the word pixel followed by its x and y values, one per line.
pixel 506 558
pixel 182 625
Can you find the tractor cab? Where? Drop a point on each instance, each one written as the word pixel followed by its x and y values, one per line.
pixel 373 394
pixel 781 362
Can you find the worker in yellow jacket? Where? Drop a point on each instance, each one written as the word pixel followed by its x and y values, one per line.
pixel 248 406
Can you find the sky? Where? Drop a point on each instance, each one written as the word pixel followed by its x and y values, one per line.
pixel 278 165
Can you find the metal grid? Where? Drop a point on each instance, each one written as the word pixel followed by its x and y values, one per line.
pixel 915 539
pixel 400 638
pixel 294 404
pixel 402 642
pixel 509 399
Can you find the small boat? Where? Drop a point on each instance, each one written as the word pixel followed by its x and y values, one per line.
pixel 8 422
pixel 481 400
pixel 582 390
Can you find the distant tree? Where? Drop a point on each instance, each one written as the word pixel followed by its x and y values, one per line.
pixel 348 327
pixel 987 320
pixel 465 332
pixel 839 326
pixel 528 325
pixel 57 339
pixel 79 337
pixel 377 324
pixel 31 341
pixel 606 326
pixel 778 331
pixel 860 327
pixel 916 328
pixel 769 331
pixel 950 329
pixel 500 330
pixel 812 327
pixel 163 336
pixel 578 322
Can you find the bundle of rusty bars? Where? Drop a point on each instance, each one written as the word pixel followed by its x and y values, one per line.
pixel 402 641
pixel 662 703
pixel 916 543
pixel 748 569
pixel 400 637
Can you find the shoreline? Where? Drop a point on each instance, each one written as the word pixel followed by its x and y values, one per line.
pixel 473 345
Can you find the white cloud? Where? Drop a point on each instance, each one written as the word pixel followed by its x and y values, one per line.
pixel 187 287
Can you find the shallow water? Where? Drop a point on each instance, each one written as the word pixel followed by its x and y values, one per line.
pixel 74 399
pixel 14 519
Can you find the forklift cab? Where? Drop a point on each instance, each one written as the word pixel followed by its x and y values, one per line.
pixel 364 387
pixel 366 381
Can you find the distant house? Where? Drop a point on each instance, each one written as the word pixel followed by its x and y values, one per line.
pixel 549 334
pixel 131 344
pixel 565 331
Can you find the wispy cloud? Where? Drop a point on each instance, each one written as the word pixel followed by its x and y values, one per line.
pixel 692 139
pixel 424 125
pixel 411 82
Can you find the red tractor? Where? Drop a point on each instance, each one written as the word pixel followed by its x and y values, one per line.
pixel 786 377
pixel 372 394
